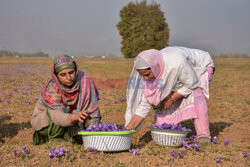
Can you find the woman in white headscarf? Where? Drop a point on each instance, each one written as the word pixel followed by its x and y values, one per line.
pixel 177 79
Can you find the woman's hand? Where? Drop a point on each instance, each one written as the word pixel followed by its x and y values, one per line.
pixel 135 122
pixel 80 116
pixel 166 103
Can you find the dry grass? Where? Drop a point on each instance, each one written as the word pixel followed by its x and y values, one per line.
pixel 228 112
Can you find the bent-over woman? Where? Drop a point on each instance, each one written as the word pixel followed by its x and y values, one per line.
pixel 177 79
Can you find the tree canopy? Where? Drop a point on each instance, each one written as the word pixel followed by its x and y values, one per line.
pixel 142 27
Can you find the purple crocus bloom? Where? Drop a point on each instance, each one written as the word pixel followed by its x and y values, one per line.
pixel 63 150
pixel 173 153
pixel 15 152
pixel 185 144
pixel 1 100
pixel 93 150
pixel 56 151
pixel 123 99
pixel 53 148
pixel 196 147
pixel 51 155
pixel 181 155
pixel 116 101
pixel 218 160
pixel 26 151
pixel 8 101
pixel 226 142
pixel 214 139
pixel 134 151
pixel 36 98
pixel 244 154
pixel 60 154
pixel 207 142
pixel 27 101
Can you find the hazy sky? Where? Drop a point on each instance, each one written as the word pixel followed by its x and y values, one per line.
pixel 81 27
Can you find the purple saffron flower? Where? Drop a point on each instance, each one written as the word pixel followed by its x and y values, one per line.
pixel 196 147
pixel 134 151
pixel 226 142
pixel 53 148
pixel 93 150
pixel 1 100
pixel 214 139
pixel 26 151
pixel 185 144
pixel 244 154
pixel 27 101
pixel 218 160
pixel 116 101
pixel 56 151
pixel 123 99
pixel 51 155
pixel 36 98
pixel 15 152
pixel 181 155
pixel 8 101
pixel 63 150
pixel 174 127
pixel 207 142
pixel 173 153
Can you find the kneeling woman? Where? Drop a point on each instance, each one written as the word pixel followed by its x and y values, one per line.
pixel 177 78
pixel 68 103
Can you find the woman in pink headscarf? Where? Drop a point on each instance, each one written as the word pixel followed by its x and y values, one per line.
pixel 177 79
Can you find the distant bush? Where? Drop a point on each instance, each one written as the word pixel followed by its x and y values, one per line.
pixel 6 53
pixel 142 27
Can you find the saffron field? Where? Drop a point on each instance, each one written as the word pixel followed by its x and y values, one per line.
pixel 21 80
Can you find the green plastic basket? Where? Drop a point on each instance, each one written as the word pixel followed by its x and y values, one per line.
pixel 106 132
pixel 107 141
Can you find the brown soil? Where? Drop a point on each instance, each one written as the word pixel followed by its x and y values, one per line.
pixel 228 111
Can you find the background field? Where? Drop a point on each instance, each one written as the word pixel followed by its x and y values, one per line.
pixel 21 80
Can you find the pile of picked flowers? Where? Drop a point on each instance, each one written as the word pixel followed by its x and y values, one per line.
pixel 105 127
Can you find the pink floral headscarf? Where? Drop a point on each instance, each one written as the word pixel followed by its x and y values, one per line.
pixel 82 96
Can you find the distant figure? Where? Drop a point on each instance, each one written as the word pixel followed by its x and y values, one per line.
pixel 68 103
pixel 177 79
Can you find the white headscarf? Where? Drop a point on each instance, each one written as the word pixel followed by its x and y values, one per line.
pixel 141 64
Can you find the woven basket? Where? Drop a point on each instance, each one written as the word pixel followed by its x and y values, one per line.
pixel 168 138
pixel 108 141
